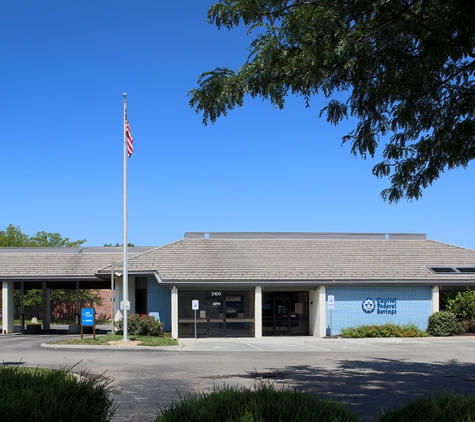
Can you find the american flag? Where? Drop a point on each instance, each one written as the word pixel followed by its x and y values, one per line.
pixel 130 141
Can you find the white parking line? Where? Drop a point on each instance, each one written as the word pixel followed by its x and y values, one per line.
pixel 283 346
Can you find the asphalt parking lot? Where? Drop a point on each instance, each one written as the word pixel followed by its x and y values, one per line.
pixel 369 375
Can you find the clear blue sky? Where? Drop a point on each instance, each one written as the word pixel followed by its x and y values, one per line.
pixel 65 65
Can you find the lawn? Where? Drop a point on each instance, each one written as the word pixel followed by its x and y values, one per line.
pixel 104 340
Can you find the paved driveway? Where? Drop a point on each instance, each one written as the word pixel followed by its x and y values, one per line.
pixel 369 374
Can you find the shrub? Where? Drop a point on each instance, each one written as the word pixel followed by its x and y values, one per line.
pixel 385 330
pixel 37 394
pixel 443 323
pixel 141 325
pixel 261 404
pixel 440 407
pixel 462 305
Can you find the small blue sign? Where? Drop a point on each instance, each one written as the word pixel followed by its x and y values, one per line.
pixel 87 317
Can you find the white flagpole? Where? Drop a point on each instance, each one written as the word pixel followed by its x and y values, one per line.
pixel 125 283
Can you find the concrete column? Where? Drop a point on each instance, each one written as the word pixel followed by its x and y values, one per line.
pixel 435 299
pixel 258 312
pixel 46 307
pixel 78 305
pixel 7 307
pixel 174 309
pixel 320 324
pixel 312 313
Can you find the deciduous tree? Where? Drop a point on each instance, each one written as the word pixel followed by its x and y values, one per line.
pixel 406 66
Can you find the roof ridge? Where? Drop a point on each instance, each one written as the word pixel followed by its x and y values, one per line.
pixel 143 253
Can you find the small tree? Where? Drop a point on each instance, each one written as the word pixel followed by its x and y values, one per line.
pixel 462 305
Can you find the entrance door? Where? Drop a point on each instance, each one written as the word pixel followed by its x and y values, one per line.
pixel 216 311
pixel 284 313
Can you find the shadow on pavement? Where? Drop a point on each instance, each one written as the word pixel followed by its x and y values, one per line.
pixel 381 384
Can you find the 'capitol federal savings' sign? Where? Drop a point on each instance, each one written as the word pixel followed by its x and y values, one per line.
pixel 386 306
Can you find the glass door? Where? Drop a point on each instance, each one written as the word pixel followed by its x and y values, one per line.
pixel 216 310
pixel 282 315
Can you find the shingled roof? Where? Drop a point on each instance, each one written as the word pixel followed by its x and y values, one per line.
pixel 305 258
pixel 47 264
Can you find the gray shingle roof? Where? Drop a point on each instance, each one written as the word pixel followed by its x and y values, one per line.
pixel 320 261
pixel 57 263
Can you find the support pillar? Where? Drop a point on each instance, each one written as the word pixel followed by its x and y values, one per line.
pixel 78 304
pixel 7 307
pixel 435 299
pixel 258 312
pixel 312 313
pixel 320 325
pixel 46 307
pixel 174 299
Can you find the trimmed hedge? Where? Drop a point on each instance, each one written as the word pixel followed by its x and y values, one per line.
pixel 443 323
pixel 44 395
pixel 385 330
pixel 264 403
pixel 141 325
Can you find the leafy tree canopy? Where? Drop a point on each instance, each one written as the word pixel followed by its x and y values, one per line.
pixel 406 68
pixel 12 236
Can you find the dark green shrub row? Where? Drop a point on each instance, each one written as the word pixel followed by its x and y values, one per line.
pixel 37 394
pixel 385 330
pixel 263 403
pixel 444 323
pixel 267 404
pixel 141 325
pixel 440 407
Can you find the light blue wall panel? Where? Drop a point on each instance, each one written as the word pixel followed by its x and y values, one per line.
pixel 399 305
pixel 159 300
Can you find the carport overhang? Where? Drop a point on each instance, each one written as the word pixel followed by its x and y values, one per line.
pixel 66 283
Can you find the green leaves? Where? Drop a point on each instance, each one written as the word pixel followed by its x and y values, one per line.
pixel 12 236
pixel 408 69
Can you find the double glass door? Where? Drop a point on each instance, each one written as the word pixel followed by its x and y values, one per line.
pixel 284 313
pixel 219 314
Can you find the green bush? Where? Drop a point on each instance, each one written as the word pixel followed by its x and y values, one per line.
pixel 462 305
pixel 385 330
pixel 443 323
pixel 141 325
pixel 264 403
pixel 441 407
pixel 37 394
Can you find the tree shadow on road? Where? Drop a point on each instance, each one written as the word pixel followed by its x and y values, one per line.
pixel 380 384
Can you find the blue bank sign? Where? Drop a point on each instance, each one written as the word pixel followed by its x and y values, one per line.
pixel 381 306
pixel 87 317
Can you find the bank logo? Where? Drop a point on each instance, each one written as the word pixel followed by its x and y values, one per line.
pixel 368 305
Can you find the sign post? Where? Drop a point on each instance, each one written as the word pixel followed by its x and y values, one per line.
pixel 88 320
pixel 331 306
pixel 195 305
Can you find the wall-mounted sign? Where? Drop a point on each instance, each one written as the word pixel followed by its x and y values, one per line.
pixel 381 306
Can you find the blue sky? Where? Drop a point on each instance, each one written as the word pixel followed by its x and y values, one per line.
pixel 64 68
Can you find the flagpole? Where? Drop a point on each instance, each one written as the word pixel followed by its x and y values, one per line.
pixel 125 284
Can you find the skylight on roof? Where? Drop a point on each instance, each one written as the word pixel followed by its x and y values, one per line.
pixel 443 270
pixel 466 270
pixel 452 270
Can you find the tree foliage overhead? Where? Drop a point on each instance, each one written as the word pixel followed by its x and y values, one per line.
pixel 12 236
pixel 406 67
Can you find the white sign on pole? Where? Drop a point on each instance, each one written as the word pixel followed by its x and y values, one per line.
pixel 331 302
pixel 122 305
pixel 195 305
